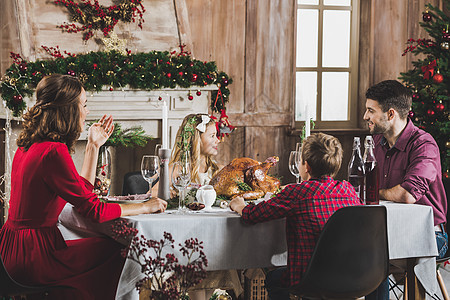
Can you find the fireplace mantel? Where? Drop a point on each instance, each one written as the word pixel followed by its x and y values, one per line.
pixel 144 108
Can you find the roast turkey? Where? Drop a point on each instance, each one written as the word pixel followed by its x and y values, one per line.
pixel 246 177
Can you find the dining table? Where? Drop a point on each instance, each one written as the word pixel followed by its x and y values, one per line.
pixel 231 244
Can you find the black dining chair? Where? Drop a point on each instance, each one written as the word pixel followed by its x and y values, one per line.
pixel 351 256
pixel 9 287
pixel 134 183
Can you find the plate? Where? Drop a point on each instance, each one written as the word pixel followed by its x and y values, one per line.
pixel 125 201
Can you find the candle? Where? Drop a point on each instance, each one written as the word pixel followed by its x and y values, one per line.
pixel 307 122
pixel 165 128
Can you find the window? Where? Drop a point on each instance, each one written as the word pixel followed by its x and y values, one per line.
pixel 326 63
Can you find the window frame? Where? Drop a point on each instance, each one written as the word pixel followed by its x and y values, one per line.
pixel 352 69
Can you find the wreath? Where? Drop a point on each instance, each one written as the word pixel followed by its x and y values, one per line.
pixel 98 17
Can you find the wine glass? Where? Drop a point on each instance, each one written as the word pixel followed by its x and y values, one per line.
pixel 181 177
pixel 150 169
pixel 293 165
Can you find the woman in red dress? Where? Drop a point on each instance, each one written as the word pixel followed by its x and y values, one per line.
pixel 43 179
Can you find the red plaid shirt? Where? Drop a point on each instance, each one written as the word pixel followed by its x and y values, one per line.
pixel 307 207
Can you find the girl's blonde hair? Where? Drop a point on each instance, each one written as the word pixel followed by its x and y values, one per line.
pixel 189 135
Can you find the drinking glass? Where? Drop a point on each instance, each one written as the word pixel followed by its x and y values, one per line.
pixel 181 177
pixel 150 169
pixel 293 165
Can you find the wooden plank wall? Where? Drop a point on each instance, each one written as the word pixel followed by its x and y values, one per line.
pixel 251 40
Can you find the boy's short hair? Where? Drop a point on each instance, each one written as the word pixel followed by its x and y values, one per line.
pixel 323 153
pixel 391 94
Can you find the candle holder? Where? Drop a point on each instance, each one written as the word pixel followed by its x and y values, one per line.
pixel 164 182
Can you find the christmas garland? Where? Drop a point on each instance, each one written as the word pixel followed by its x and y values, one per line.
pixel 98 17
pixel 98 70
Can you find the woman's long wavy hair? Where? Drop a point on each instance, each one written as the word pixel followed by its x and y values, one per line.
pixel 195 151
pixel 56 114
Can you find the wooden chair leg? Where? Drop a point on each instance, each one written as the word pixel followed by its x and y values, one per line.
pixel 442 285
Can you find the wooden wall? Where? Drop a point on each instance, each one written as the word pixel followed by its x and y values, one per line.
pixel 251 40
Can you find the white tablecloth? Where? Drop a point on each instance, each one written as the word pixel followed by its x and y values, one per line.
pixel 230 244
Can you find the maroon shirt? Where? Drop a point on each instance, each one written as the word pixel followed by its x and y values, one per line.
pixel 307 207
pixel 415 164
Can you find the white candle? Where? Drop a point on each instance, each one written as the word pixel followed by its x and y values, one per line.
pixel 307 122
pixel 165 124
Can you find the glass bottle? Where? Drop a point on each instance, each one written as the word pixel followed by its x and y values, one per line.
pixel 356 169
pixel 371 171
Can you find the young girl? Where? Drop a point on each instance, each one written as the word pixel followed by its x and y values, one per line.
pixel 198 135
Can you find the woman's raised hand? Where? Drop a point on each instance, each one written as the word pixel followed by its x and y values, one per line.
pixel 100 132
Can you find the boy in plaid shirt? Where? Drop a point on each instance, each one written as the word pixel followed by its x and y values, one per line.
pixel 306 206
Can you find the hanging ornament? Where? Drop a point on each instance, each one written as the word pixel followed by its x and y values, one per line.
pixel 224 128
pixel 411 114
pixel 426 16
pixel 194 77
pixel 428 70
pixel 440 107
pixel 17 98
pixel 446 36
pixel 23 67
pixel 447 145
pixel 111 89
pixel 445 45
pixel 438 78
pixel 71 73
pixel 198 93
pixel 190 97
pixel 160 98
pixel 430 112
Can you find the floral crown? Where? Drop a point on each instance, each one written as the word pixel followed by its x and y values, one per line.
pixel 189 130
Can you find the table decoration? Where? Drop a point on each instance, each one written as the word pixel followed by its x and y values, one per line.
pixel 165 276
pixel 103 175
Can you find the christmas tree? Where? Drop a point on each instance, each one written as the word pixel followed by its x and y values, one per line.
pixel 429 80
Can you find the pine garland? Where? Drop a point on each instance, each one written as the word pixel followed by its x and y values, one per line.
pixel 429 80
pixel 129 137
pixel 98 70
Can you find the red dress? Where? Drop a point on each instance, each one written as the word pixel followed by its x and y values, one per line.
pixel 34 252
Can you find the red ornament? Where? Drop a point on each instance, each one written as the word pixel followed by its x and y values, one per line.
pixel 190 97
pixel 194 77
pixel 180 73
pixel 23 67
pixel 111 88
pixel 440 107
pixel 160 98
pixel 438 78
pixel 446 37
pixel 198 93
pixel 415 97
pixel 225 82
pixel 191 64
pixel 430 112
pixel 426 17
pixel 95 66
pixel 71 73
pixel 168 75
pixel 411 114
pixel 17 98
